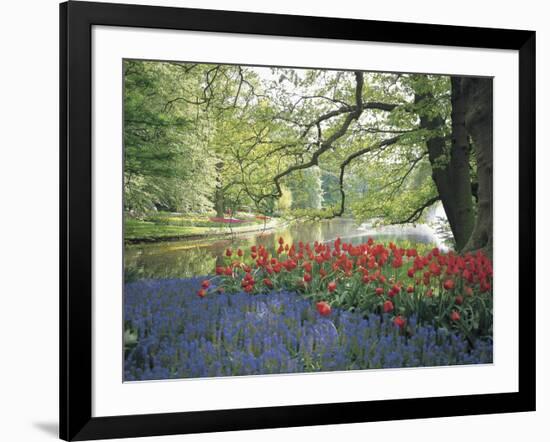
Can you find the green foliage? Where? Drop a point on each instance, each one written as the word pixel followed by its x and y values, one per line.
pixel 284 203
pixel 311 214
pixel 330 188
pixel 166 157
pixel 201 136
pixel 306 188
pixel 396 192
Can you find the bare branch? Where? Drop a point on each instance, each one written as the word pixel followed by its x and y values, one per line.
pixel 186 67
pixel 415 216
pixel 401 180
pixel 348 160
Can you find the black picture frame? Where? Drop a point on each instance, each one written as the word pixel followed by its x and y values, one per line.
pixel 76 21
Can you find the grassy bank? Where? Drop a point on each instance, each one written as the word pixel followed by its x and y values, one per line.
pixel 163 226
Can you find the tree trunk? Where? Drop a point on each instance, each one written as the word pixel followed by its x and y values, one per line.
pixel 478 93
pixel 459 167
pixel 219 203
pixel 453 186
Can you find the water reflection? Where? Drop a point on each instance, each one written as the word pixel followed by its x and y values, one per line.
pixel 181 259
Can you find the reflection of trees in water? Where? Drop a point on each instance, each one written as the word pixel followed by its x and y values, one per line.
pixel 185 259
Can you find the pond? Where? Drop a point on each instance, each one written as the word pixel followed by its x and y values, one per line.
pixel 187 258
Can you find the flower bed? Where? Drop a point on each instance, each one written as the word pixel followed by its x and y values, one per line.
pixel 446 289
pixel 172 333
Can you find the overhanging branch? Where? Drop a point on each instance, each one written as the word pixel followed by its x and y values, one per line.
pixel 415 216
pixel 348 160
pixel 353 113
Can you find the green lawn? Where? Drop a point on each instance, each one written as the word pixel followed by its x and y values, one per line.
pixel 166 225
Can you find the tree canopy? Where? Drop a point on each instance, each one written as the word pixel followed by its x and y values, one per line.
pixel 380 147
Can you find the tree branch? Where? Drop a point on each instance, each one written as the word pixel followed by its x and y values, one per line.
pixel 326 145
pixel 348 160
pixel 418 212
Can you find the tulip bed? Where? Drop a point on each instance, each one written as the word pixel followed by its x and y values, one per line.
pixel 443 289
pixel 172 333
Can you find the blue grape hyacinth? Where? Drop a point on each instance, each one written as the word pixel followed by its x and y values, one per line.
pixel 172 333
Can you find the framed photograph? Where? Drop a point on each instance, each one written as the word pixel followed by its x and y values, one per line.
pixel 272 220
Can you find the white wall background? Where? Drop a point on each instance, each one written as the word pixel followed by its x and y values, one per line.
pixel 29 218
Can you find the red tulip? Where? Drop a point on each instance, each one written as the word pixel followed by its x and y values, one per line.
pixel 307 277
pixel 371 263
pixel 228 271
pixel 228 252
pixel 388 306
pixel 281 240
pixel 205 284
pixel 399 321
pixel 219 270
pixel 455 316
pixel 248 288
pixel 307 266
pixel 201 293
pixel 410 289
pixel 459 300
pixel 484 286
pixel 435 269
pixel 468 276
pixel 323 273
pixel 332 286
pixel 239 252
pixel 397 262
pixel 449 284
pixel 429 293
pixel 323 308
pixel 268 282
pixel 469 291
pixel 410 273
pixel 379 291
